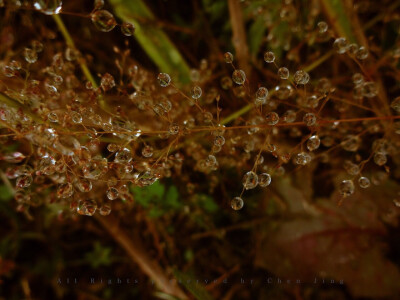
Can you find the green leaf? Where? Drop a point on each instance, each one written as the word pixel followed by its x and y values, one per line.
pixel 145 195
pixel 154 41
pixel 171 197
pixel 256 35
pixel 215 9
pixel 100 256
pixel 189 254
pixel 6 194
pixel 157 198
pixel 155 212
pixel 339 19
pixel 195 289
pixel 207 202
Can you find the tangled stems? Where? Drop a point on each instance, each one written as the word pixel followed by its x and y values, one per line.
pixel 100 138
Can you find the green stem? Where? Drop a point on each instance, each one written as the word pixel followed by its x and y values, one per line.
pixel 70 43
pixel 85 70
pixel 319 61
pixel 237 114
pixel 153 40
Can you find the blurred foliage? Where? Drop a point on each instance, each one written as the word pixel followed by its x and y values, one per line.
pixel 152 40
pixel 158 198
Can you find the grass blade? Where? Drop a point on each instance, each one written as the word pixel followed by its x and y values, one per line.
pixel 154 41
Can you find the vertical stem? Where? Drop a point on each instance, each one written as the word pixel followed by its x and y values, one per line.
pixel 70 43
pixel 85 70
pixel 239 39
pixel 140 256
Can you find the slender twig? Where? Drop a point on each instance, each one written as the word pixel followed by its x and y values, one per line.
pixel 70 43
pixel 239 34
pixel 140 256
pixel 85 70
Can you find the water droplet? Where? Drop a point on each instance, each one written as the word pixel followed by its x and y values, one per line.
pixel 310 119
pixel 103 20
pixel 71 54
pixel 107 82
pixel 364 182
pixel 98 4
pixel 23 181
pixel 269 57
pixel 352 48
pixel 89 85
pixel 211 161
pixel 237 203
pixel 105 210
pixel 396 104
pixel 95 168
pixel 261 96
pixel 351 143
pixel 322 27
pixel 67 145
pixel 264 179
pixel 351 168
pixel 164 79
pixel 53 117
pixel 272 118
pixel 341 45
pixel 312 101
pixel 30 55
pixel 112 193
pixel 48 7
pixel 362 53
pixel 380 159
pixel 87 207
pixel 76 117
pixel 284 91
pixel 196 92
pixel 324 86
pixel 357 78
pixel 238 77
pixel 65 190
pixel 127 29
pixel 123 156
pixel 369 89
pixel 147 151
pixel 346 188
pixel 283 73
pixel 301 77
pixel 302 158
pixel 14 65
pixel 37 46
pixel 289 116
pixel 173 129
pixel 123 189
pixel 250 180
pixel 228 57
pixel 194 75
pixel 226 82
pixel 313 143
pixel 219 140
pixel 14 157
pixel 216 148
pixel 84 185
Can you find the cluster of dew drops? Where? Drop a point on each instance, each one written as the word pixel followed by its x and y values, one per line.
pixel 101 18
pixel 351 143
pixel 95 167
pixel 45 137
